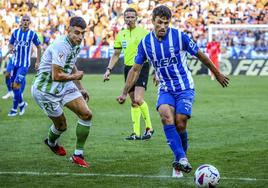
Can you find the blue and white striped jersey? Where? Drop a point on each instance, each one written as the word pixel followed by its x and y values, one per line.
pixel 169 57
pixel 22 42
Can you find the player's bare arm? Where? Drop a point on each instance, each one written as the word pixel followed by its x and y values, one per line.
pixel 222 79
pixel 38 58
pixel 113 61
pixel 80 86
pixel 59 75
pixel 156 79
pixel 132 77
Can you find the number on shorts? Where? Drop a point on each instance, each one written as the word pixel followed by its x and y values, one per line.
pixel 49 106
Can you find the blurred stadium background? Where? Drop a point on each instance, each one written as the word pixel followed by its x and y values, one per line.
pixel 239 25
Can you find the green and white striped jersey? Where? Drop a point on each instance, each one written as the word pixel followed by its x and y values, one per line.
pixel 61 52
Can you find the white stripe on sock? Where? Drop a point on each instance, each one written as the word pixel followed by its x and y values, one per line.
pixel 84 123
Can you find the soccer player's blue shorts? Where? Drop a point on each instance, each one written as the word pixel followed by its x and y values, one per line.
pixel 19 74
pixel 10 66
pixel 182 101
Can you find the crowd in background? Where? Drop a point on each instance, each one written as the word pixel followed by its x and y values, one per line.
pixel 105 19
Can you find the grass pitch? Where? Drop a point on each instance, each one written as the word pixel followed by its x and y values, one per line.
pixel 228 129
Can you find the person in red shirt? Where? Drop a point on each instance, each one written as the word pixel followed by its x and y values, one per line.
pixel 214 50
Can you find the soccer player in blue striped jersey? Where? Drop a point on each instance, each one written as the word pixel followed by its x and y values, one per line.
pixel 166 48
pixel 20 44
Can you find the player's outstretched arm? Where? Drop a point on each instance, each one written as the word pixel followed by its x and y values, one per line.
pixel 222 79
pixel 112 62
pixel 132 77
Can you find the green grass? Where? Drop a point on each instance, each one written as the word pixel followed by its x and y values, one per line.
pixel 228 129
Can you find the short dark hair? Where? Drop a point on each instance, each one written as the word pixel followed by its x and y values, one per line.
pixel 162 11
pixel 130 10
pixel 78 21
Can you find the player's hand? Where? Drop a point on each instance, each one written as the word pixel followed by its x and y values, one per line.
pixel 121 99
pixel 79 75
pixel 106 76
pixel 155 80
pixel 85 95
pixel 222 79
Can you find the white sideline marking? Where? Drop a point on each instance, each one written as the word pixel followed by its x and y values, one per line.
pixel 113 175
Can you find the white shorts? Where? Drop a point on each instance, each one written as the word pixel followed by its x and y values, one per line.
pixel 53 105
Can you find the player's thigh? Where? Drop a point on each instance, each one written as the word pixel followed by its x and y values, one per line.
pixel 139 94
pixel 51 105
pixel 76 103
pixel 126 70
pixel 131 95
pixel 143 77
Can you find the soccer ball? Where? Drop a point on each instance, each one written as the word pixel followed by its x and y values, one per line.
pixel 206 176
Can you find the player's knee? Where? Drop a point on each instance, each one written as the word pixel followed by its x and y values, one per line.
pixel 16 86
pixel 7 74
pixel 181 125
pixel 134 104
pixel 167 120
pixel 86 116
pixel 139 101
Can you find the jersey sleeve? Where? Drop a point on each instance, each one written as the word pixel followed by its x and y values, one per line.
pixel 59 54
pixel 117 42
pixel 12 38
pixel 188 44
pixel 141 55
pixel 36 41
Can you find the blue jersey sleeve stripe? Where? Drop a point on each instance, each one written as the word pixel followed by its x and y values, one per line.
pixel 12 38
pixel 170 42
pixel 35 39
pixel 180 40
pixel 144 48
pixel 153 47
pixel 24 55
pixel 189 45
pixel 18 49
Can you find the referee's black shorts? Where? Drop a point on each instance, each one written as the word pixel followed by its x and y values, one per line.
pixel 143 78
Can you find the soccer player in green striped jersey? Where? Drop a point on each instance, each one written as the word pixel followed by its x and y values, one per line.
pixel 57 84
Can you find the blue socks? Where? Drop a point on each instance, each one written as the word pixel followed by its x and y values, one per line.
pixel 184 140
pixel 17 98
pixel 22 87
pixel 174 141
pixel 8 84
